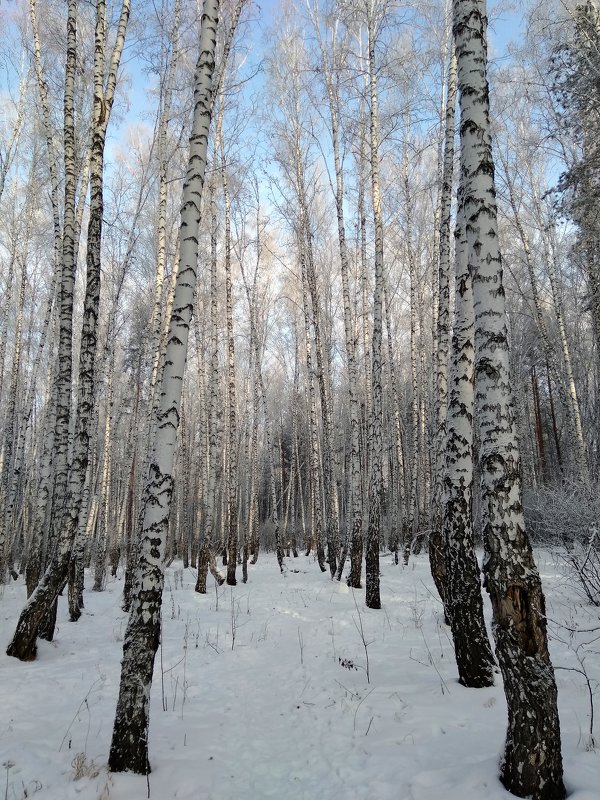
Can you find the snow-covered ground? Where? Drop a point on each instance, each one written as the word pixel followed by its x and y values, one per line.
pixel 262 691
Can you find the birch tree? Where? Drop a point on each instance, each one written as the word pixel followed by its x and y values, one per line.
pixel 232 461
pixel 437 557
pixel 331 53
pixel 23 643
pixel 376 421
pixel 129 746
pixel 207 558
pixel 463 601
pixel 9 467
pixel 532 764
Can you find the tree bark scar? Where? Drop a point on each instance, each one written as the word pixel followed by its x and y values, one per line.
pixel 515 611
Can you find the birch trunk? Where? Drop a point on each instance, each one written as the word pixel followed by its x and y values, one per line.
pixel 372 598
pixel 11 148
pixel 35 559
pixel 412 515
pixel 253 369
pixel 43 480
pixel 354 529
pixel 364 276
pixel 329 483
pixel 232 461
pixel 271 460
pixel 77 566
pixel 294 478
pixel 574 415
pixel 399 510
pixel 315 460
pixel 5 311
pixel 105 479
pixel 47 125
pixel 11 432
pixel 532 763
pixel 23 644
pixel 260 398
pixel 129 746
pixel 207 560
pixel 67 285
pixel 305 240
pixel 463 601
pixel 161 254
pixel 245 507
pixel 437 559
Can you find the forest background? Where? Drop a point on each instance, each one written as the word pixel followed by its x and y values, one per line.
pixel 320 408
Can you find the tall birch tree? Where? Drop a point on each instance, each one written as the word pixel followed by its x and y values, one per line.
pixel 66 519
pixel 463 601
pixel 373 599
pixel 532 763
pixel 23 644
pixel 437 558
pixel 129 746
pixel 331 54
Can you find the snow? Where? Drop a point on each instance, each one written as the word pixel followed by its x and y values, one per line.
pixel 261 691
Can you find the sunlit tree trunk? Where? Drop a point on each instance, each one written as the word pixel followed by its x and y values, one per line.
pixel 412 510
pixel 129 746
pixel 77 566
pixel 232 461
pixel 66 519
pixel 573 413
pixel 155 341
pixel 250 288
pixel 23 644
pixel 463 601
pixel 12 425
pixel 206 559
pixel 105 477
pixel 437 557
pixel 320 368
pixel 270 457
pixel 315 459
pixel 329 60
pixel 532 763
pixel 11 148
pixel 35 556
pixel 294 477
pixel 5 310
pixel 324 381
pixel 372 598
pixel 399 508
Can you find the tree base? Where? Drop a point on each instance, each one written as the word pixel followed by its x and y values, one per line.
pixel 23 649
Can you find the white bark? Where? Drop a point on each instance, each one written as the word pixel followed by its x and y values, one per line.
pixel 442 337
pixel 532 764
pixel 23 644
pixel 330 63
pixel 7 467
pixel 315 460
pixel 232 460
pixel 372 598
pixel 462 599
pixel 129 747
